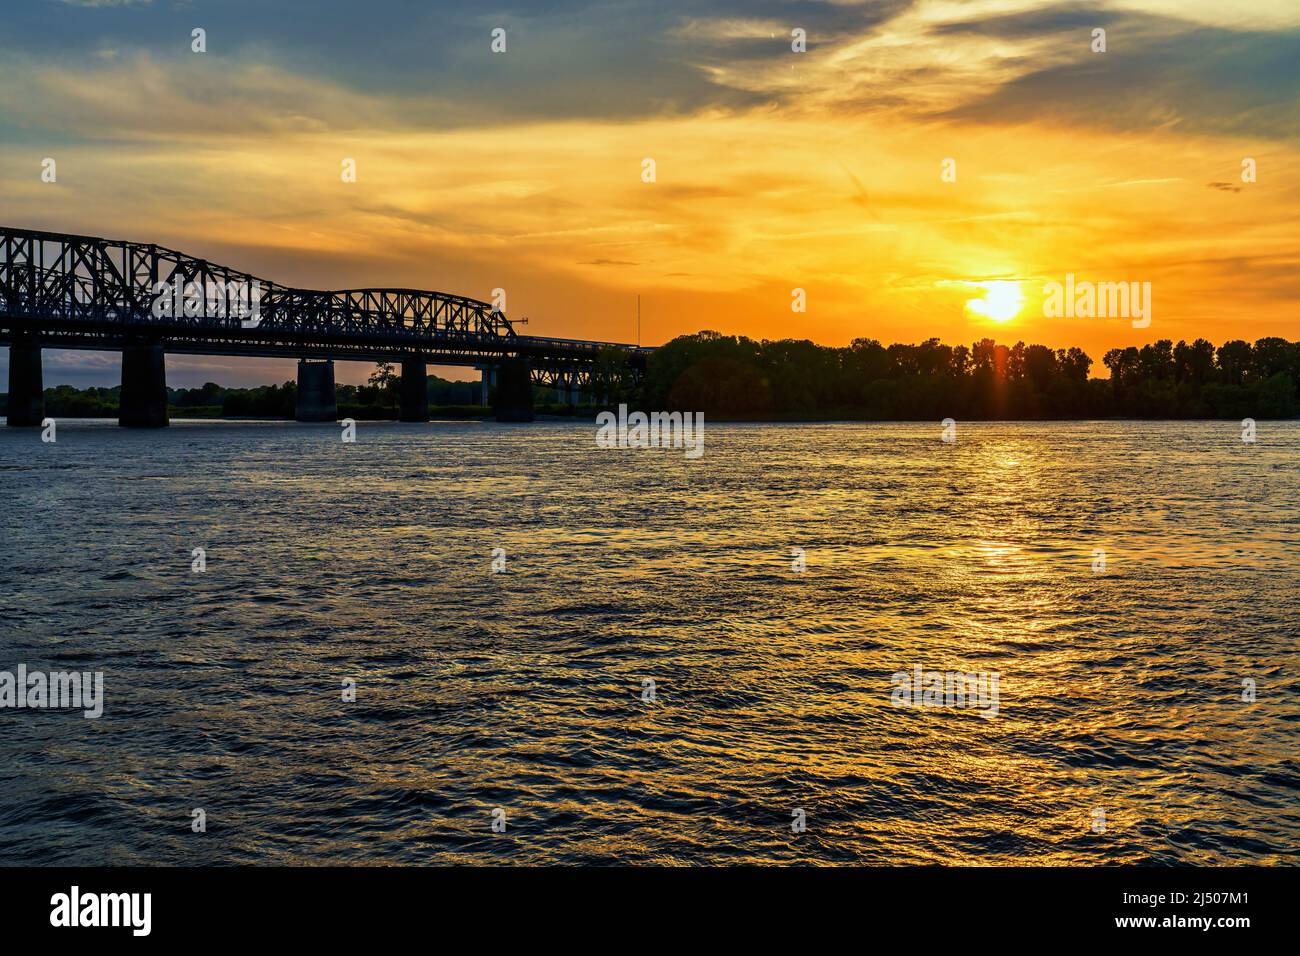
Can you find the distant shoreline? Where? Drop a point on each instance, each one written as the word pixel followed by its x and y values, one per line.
pixel 736 379
pixel 455 413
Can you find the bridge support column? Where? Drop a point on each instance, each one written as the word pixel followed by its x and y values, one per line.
pixel 26 393
pixel 316 392
pixel 514 401
pixel 489 380
pixel 415 390
pixel 143 399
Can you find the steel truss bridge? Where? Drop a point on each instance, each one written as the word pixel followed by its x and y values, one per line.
pixel 81 292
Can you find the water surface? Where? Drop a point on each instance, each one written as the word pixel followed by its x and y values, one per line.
pixel 523 690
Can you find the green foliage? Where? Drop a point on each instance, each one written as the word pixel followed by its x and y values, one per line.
pixel 64 401
pixel 738 377
pixel 732 376
pixel 266 401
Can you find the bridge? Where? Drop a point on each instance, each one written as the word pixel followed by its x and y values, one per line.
pixel 81 292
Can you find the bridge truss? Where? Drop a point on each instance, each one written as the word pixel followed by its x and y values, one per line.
pixel 82 292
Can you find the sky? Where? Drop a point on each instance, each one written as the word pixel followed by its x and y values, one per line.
pixel 921 170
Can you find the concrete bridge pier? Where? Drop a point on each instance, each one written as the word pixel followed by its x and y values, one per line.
pixel 488 383
pixel 26 393
pixel 316 401
pixel 514 393
pixel 415 390
pixel 143 399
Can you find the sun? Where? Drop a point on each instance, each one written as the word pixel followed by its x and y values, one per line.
pixel 1000 302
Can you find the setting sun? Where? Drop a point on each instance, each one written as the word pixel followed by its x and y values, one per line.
pixel 1001 301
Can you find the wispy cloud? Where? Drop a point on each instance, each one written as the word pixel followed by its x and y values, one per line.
pixel 775 169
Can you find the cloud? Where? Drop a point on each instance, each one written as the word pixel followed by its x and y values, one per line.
pixel 336 65
pixel 107 3
pixel 1157 73
pixel 775 169
pixel 143 99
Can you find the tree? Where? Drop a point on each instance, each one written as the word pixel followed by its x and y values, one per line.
pixel 732 375
pixel 1234 361
pixel 385 383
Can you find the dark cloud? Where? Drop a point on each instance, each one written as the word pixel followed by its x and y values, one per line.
pixel 1158 73
pixel 619 60
pixel 1035 23
pixel 615 60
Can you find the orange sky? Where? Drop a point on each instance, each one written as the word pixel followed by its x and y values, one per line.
pixel 826 178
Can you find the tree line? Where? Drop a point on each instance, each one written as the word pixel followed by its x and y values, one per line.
pixel 378 399
pixel 738 377
pixel 732 376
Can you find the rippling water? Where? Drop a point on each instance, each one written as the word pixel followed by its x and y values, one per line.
pixel 524 690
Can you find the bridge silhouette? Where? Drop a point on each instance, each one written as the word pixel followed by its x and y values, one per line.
pixel 81 292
